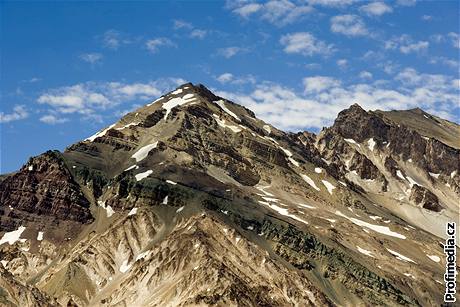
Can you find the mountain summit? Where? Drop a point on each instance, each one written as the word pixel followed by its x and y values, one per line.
pixel 193 200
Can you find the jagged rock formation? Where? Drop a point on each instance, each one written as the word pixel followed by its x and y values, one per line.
pixel 192 200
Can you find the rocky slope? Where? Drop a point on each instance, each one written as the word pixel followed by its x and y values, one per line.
pixel 195 199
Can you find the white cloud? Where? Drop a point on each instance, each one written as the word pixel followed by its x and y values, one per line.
pixel 198 33
pixel 365 75
pixel 376 9
pixel 414 47
pixel 332 3
pixel 153 45
pixel 405 44
pixel 91 58
pixel 180 24
pixel 444 61
pixel 112 39
pixel 406 2
pixel 277 12
pixel 427 17
pixel 91 98
pixel 224 78
pixel 247 9
pixel 306 44
pixel 52 120
pixel 455 39
pixel 229 52
pixel 228 78
pixel 19 112
pixel 342 63
pixel 350 25
pixel 319 83
pixel 324 97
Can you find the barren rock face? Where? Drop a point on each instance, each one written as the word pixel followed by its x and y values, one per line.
pixel 44 186
pixel 425 198
pixel 192 200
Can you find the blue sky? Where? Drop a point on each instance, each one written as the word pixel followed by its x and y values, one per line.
pixel 70 68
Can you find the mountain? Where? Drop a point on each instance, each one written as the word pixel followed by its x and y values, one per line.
pixel 192 200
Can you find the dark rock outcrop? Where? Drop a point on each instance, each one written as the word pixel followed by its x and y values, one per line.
pixel 44 186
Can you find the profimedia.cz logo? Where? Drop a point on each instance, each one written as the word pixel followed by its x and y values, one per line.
pixel 450 277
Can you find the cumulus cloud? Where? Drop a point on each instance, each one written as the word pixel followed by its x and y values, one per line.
pixel 405 44
pixel 181 24
pixel 52 119
pixel 455 39
pixel 332 3
pixel 225 77
pixel 113 39
pixel 91 58
pixel 376 9
pixel 19 112
pixel 153 45
pixel 319 83
pixel 276 12
pixel 94 97
pixel 323 97
pixel 306 44
pixel 228 78
pixel 198 33
pixel 365 75
pixel 229 52
pixel 406 2
pixel 350 25
pixel 342 63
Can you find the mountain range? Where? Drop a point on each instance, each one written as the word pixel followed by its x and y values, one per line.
pixel 193 200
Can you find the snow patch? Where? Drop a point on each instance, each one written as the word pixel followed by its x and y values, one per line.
pixel 294 162
pixel 434 258
pixel 307 206
pixel 399 256
pixel 267 128
pixel 180 209
pixel 177 92
pixel 351 141
pixel 142 255
pixel 143 175
pixel 132 212
pixel 12 236
pixel 40 236
pixel 222 105
pixel 434 175
pixel 171 182
pixel 309 181
pixel 364 251
pixel 108 209
pixel 174 102
pixel 283 211
pixel 132 167
pixel 143 152
pixel 318 170
pixel 377 228
pixel 375 217
pixel 31 168
pixel 371 144
pixel 262 189
pixel 99 134
pixel 221 122
pixel 412 181
pixel 126 126
pixel 400 175
pixel 165 200
pixel 329 186
pixel 125 267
